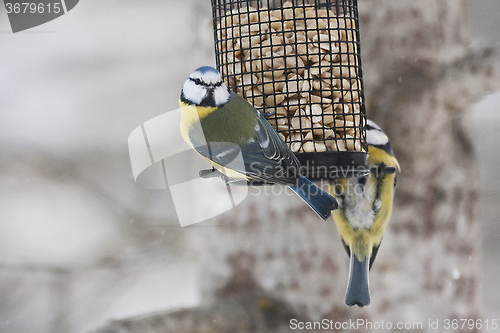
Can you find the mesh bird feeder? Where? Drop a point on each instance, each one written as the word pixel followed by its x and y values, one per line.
pixel 298 62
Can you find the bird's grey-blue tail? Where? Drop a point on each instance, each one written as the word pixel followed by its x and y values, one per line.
pixel 358 292
pixel 320 201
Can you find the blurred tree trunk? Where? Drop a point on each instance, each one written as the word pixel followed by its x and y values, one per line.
pixel 271 259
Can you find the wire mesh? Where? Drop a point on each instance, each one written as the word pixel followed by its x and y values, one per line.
pixel 298 62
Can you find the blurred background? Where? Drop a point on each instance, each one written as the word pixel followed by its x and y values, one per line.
pixel 80 243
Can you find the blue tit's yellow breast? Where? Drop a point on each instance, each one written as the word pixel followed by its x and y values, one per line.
pixel 196 112
pixel 377 156
pixel 363 216
pixel 191 116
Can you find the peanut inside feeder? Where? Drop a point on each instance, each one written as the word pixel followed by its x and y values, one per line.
pixel 300 64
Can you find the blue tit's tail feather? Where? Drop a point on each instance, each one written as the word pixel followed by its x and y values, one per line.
pixel 320 201
pixel 358 292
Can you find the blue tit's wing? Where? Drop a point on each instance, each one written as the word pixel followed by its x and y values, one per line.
pixel 265 156
pixel 274 147
pixel 247 160
pixel 270 144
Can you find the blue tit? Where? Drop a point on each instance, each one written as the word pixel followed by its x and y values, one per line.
pixel 365 206
pixel 230 125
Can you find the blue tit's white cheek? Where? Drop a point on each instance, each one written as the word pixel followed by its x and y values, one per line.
pixel 376 138
pixel 193 92
pixel 221 95
pixel 371 123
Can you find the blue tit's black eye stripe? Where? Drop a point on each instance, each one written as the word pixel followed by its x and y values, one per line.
pixel 198 81
pixel 371 128
pixel 202 83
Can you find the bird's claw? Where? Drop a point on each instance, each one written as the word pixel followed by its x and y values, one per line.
pixel 213 173
pixel 382 170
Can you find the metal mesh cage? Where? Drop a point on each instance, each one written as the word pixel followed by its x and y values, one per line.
pixel 298 62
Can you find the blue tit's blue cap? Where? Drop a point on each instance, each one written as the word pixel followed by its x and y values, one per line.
pixel 207 69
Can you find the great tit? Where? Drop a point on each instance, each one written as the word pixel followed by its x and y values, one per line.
pixel 230 125
pixel 365 206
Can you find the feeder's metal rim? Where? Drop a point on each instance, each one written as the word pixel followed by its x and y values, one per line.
pixel 333 164
pixel 211 173
pixel 322 172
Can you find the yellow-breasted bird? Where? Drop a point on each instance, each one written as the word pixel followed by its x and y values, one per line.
pixel 219 124
pixel 365 207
